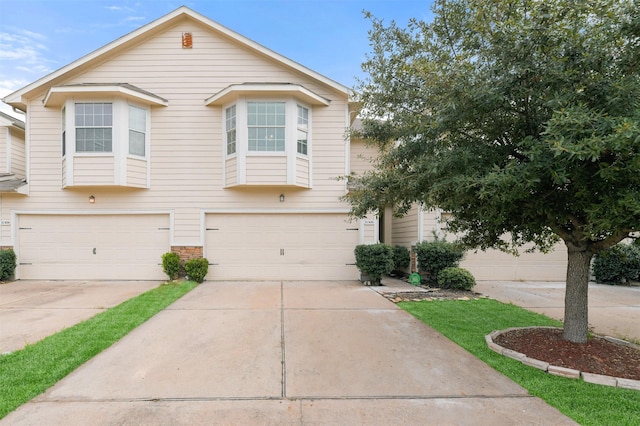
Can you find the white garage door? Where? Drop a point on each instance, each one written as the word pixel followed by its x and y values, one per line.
pixel 496 265
pixel 92 247
pixel 281 247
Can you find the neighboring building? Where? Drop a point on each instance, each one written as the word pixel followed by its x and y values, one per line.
pixel 181 136
pixel 425 225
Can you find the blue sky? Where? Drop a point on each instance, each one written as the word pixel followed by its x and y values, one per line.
pixel 329 36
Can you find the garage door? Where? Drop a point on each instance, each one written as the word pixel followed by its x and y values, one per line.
pixel 496 265
pixel 92 247
pixel 281 247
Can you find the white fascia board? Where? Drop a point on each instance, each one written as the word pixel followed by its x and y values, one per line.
pixel 58 95
pixel 257 89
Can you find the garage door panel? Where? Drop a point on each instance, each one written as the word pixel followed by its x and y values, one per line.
pixel 92 246
pixel 280 246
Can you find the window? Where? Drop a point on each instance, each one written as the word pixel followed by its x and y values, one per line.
pixel 266 126
pixel 231 129
pixel 303 129
pixel 94 123
pixel 137 130
pixel 64 131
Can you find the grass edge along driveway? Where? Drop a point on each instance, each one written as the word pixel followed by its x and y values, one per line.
pixel 26 373
pixel 467 322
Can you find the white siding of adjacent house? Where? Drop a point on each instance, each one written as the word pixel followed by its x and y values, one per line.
pixel 361 156
pixel 12 151
pixel 18 160
pixel 186 171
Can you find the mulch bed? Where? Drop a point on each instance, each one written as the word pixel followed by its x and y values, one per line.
pixel 597 356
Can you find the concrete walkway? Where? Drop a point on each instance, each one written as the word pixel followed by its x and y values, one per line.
pixel 33 310
pixel 613 310
pixel 300 353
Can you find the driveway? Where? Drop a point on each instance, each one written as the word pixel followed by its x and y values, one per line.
pixel 613 310
pixel 33 310
pixel 300 353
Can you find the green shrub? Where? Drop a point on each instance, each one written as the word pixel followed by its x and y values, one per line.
pixel 171 265
pixel 374 260
pixel 7 264
pixel 197 269
pixel 618 264
pixel 401 258
pixel 456 279
pixel 434 256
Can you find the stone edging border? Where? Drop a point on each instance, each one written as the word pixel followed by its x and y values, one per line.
pixel 598 379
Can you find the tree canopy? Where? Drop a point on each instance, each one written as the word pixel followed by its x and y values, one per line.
pixel 520 117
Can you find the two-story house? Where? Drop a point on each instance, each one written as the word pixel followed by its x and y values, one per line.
pixel 180 136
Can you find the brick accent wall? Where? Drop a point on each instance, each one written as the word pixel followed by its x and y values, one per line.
pixel 413 267
pixel 187 252
pixel 6 247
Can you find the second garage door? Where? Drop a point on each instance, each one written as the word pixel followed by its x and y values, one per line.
pixel 281 247
pixel 92 247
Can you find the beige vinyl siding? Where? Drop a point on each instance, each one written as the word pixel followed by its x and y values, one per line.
pixel 302 172
pixel 5 137
pixel 90 170
pixel 361 156
pixel 231 171
pixel 186 137
pixel 137 172
pixel 64 172
pixel 266 170
pixel 405 229
pixel 12 151
pixel 369 226
pixel 18 160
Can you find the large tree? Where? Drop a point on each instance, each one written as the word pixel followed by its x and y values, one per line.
pixel 520 117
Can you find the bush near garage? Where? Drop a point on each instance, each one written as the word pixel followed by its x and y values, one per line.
pixel 7 264
pixel 434 256
pixel 619 264
pixel 171 265
pixel 455 278
pixel 196 269
pixel 374 260
pixel 401 258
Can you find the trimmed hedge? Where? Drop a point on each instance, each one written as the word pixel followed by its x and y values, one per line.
pixel 401 258
pixel 171 265
pixel 7 264
pixel 434 256
pixel 197 269
pixel 618 264
pixel 456 279
pixel 374 260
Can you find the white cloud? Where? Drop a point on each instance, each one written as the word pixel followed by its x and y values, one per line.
pixel 24 50
pixel 134 18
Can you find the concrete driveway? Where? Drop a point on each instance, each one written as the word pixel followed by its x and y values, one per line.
pixel 613 310
pixel 301 353
pixel 33 310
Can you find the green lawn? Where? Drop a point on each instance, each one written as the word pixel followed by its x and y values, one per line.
pixel 467 322
pixel 26 373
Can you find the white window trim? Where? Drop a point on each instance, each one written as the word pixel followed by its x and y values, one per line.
pixel 119 135
pixel 242 137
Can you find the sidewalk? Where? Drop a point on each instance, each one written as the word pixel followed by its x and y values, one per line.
pixel 300 353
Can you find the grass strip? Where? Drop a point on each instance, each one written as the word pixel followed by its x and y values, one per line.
pixel 467 322
pixel 27 373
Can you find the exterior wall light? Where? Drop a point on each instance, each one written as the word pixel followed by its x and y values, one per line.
pixel 92 199
pixel 282 198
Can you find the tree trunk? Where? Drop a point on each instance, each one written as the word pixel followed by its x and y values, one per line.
pixel 576 316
